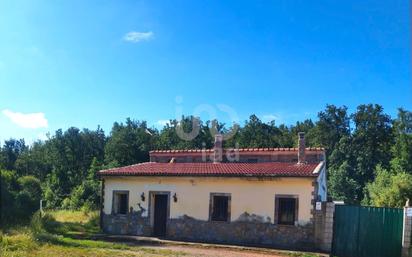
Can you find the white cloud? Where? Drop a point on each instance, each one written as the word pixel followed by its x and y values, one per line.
pixel 162 122
pixel 136 37
pixel 43 136
pixel 27 120
pixel 270 117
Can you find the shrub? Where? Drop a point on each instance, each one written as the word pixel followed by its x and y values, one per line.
pixel 42 223
pixel 94 220
pixel 390 188
pixel 30 184
pixel 20 197
pixel 84 197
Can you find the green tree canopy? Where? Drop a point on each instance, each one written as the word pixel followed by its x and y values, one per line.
pixel 389 189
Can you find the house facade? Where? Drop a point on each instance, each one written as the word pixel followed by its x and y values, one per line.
pixel 260 196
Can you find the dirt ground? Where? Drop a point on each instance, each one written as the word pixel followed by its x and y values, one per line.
pixel 223 252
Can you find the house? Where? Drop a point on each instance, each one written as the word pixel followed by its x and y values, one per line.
pixel 259 196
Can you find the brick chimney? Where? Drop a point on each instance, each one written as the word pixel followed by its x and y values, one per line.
pixel 218 149
pixel 301 148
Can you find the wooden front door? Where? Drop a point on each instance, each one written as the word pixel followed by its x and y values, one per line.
pixel 160 214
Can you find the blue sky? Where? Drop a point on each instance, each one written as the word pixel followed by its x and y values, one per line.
pixel 89 63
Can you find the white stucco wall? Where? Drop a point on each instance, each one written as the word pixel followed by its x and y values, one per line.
pixel 255 196
pixel 322 185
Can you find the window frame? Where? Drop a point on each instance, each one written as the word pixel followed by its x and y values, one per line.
pixel 277 209
pixel 211 205
pixel 115 210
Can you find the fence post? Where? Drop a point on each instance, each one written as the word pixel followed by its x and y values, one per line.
pixel 324 226
pixel 407 231
pixel 328 233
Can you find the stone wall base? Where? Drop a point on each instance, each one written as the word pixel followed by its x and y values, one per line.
pixel 407 252
pixel 129 224
pixel 242 233
pixel 250 233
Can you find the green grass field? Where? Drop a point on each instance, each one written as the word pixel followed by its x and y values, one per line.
pixel 67 233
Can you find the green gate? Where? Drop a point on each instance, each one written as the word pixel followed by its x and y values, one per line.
pixel 367 231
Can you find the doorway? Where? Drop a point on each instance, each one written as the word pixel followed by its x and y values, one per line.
pixel 160 214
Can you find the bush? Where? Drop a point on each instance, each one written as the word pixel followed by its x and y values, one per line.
pixel 42 223
pixel 88 207
pixel 94 221
pixel 20 197
pixel 30 184
pixel 9 189
pixel 390 188
pixel 84 197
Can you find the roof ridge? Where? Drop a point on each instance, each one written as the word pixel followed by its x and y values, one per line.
pixel 263 149
pixel 127 166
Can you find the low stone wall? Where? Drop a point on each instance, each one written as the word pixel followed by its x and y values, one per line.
pixel 242 233
pixel 252 232
pixel 129 224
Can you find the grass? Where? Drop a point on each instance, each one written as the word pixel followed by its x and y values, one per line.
pixel 73 224
pixel 70 233
pixel 67 233
pixel 73 216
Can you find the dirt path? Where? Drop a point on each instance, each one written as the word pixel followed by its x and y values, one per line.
pixel 221 252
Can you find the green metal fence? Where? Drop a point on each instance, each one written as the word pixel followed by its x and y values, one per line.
pixel 367 231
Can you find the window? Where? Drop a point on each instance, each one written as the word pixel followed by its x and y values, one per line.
pixel 286 209
pixel 120 202
pixel 254 160
pixel 219 207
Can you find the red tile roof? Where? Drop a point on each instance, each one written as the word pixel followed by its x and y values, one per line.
pixel 239 149
pixel 267 169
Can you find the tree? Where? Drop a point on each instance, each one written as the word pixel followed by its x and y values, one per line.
pixel 67 162
pixel 402 148
pixel 306 126
pixel 368 146
pixel 286 139
pixel 372 140
pixel 188 133
pixel 129 143
pixel 70 154
pixel 390 188
pixel 11 150
pixel 255 133
pixel 34 161
pixel 333 124
pixel 343 180
pixel 342 186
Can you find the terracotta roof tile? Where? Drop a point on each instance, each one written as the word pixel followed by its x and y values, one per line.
pixel 239 149
pixel 267 169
